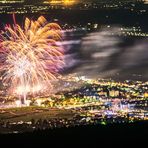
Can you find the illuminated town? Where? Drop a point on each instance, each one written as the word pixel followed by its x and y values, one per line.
pixel 68 69
pixel 26 6
pixel 88 101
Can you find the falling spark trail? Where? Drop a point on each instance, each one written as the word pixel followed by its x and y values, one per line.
pixel 30 56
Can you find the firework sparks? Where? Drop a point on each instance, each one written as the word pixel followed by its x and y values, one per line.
pixel 30 57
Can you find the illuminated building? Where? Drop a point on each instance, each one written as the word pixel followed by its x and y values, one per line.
pixel 114 93
pixel 146 1
pixel 146 95
pixel 60 2
pixel 11 1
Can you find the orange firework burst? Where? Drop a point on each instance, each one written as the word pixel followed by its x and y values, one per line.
pixel 30 57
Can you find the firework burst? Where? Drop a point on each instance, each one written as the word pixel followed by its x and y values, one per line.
pixel 30 57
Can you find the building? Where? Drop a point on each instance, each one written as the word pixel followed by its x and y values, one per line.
pixel 11 1
pixel 60 2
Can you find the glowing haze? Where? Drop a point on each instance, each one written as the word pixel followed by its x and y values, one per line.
pixel 30 57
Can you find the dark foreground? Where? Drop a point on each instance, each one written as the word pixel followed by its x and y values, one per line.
pixel 89 136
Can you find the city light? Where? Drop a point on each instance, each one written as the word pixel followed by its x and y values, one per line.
pixel 60 2
pixel 84 64
pixel 68 2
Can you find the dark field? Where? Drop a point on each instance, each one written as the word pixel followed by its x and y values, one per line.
pixel 25 114
pixel 22 119
pixel 84 136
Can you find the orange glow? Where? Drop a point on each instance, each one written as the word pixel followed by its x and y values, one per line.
pixel 55 2
pixel 32 57
pixel 61 2
pixel 68 2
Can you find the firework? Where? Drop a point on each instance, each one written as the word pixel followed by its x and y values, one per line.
pixel 30 57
